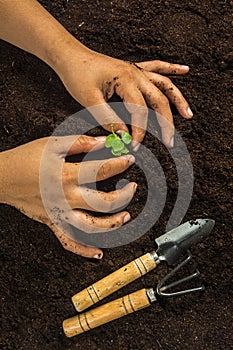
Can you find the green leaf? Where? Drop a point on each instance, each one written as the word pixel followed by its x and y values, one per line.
pixel 117 145
pixel 125 150
pixel 117 154
pixel 110 139
pixel 126 137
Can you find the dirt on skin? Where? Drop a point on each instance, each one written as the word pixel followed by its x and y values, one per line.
pixel 38 276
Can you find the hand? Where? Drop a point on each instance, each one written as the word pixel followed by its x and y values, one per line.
pixel 93 79
pixel 26 171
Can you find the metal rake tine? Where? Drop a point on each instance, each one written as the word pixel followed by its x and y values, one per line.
pixel 184 279
pixel 160 288
pixel 181 292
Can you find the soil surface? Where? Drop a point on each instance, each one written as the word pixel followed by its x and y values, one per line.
pixel 38 277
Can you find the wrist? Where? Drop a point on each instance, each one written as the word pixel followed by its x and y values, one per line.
pixel 63 51
pixel 66 52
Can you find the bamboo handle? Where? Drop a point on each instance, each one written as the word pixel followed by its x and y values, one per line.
pixel 114 281
pixel 106 313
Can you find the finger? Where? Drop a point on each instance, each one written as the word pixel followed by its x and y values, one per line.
pixel 74 144
pixel 167 128
pixel 157 101
pixel 85 144
pixel 105 202
pixel 73 246
pixel 135 104
pixel 91 224
pixel 105 115
pixel 163 67
pixel 97 170
pixel 172 92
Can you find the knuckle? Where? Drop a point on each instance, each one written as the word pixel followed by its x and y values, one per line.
pixel 129 71
pixel 124 163
pixel 105 170
pixel 167 81
pixel 163 101
pixel 129 75
pixel 69 197
pixel 164 85
pixel 82 140
pixel 66 178
pixel 109 202
pixel 115 223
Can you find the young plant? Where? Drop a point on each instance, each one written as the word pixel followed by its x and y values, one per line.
pixel 118 143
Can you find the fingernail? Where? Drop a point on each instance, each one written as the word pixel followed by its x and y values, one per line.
pixel 126 218
pixel 130 158
pixel 183 66
pixel 119 132
pixel 172 141
pixel 98 256
pixel 190 112
pixel 100 138
pixel 135 187
pixel 135 146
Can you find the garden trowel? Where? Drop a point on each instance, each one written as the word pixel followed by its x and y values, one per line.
pixel 171 246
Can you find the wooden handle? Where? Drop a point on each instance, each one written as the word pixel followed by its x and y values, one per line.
pixel 114 281
pixel 106 313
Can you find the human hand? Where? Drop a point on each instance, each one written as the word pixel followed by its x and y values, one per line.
pixel 38 169
pixel 93 78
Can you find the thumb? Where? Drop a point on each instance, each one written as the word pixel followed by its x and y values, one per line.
pixel 75 144
pixel 85 144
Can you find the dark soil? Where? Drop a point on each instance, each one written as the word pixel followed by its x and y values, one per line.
pixel 38 276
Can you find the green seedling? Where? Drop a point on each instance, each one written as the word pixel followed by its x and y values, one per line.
pixel 118 143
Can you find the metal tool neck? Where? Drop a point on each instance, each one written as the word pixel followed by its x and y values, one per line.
pixel 151 294
pixel 155 256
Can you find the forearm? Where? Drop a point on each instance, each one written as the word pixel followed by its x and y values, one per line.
pixel 28 25
pixel 16 173
pixel 5 184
